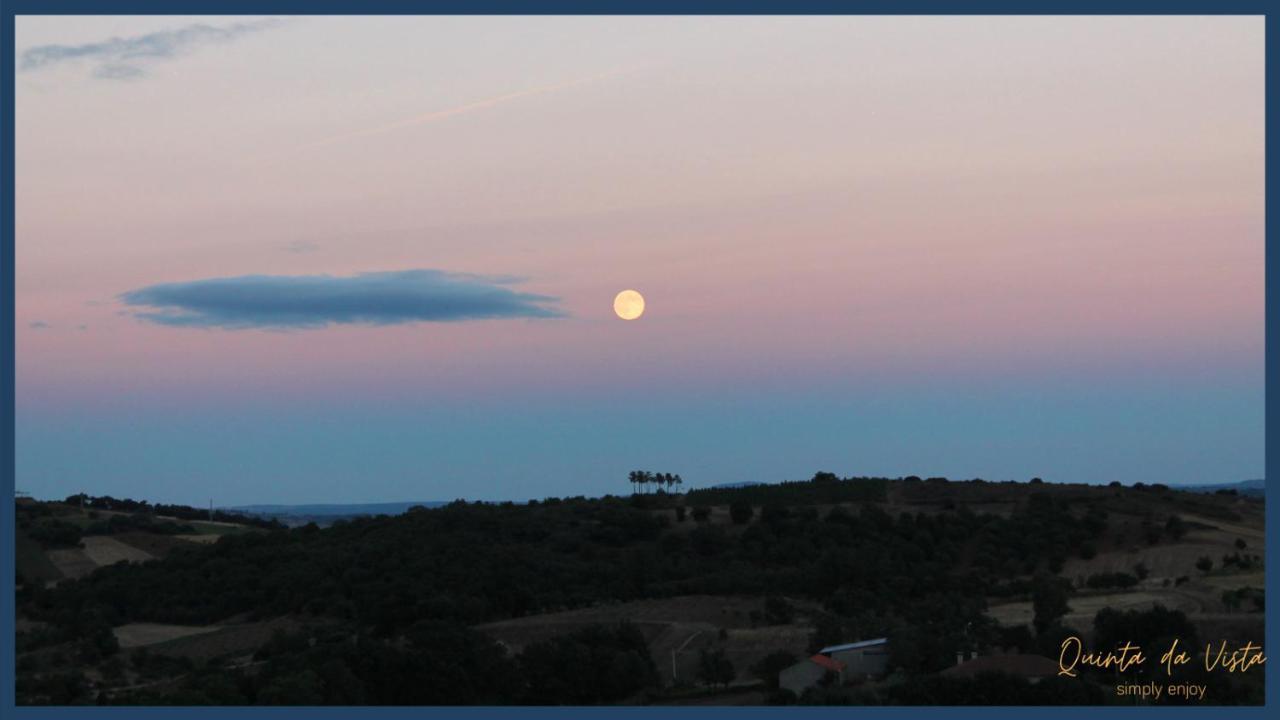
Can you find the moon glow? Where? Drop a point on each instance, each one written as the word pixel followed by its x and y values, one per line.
pixel 629 304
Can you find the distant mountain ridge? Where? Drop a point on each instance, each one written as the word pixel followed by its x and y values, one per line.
pixel 1256 486
pixel 332 510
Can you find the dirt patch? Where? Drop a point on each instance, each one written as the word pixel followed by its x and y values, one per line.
pixel 103 550
pixel 143 634
pixel 71 562
pixel 151 543
pixel 226 640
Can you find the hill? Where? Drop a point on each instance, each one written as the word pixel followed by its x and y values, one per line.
pixel 633 599
pixel 326 514
pixel 1244 487
pixel 70 539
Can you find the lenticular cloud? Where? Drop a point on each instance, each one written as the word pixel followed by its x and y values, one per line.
pixel 286 302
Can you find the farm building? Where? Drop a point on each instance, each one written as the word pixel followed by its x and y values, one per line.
pixel 811 672
pixel 849 662
pixel 863 659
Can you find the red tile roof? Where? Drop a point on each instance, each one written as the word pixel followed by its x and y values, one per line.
pixel 834 666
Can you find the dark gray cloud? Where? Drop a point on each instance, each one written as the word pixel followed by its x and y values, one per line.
pixel 283 302
pixel 39 325
pixel 126 58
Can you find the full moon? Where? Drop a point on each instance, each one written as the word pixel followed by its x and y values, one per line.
pixel 629 304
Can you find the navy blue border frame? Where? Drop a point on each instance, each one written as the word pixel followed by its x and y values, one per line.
pixel 8 11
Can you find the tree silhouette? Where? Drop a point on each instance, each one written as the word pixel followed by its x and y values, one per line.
pixel 1048 600
pixel 662 482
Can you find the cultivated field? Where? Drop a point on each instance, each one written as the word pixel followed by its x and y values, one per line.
pixel 103 550
pixel 142 634
pixel 71 562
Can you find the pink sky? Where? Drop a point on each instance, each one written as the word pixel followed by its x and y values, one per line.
pixel 864 201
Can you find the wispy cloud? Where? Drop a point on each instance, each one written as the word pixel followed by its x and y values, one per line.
pixel 284 302
pixel 466 108
pixel 127 58
pixel 39 325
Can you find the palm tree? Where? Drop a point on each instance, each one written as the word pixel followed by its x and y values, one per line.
pixel 677 480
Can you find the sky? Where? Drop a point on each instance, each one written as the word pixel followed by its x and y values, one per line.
pixel 362 259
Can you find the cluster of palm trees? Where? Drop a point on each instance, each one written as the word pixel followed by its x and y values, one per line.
pixel 643 478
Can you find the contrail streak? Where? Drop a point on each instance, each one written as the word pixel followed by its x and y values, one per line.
pixel 463 109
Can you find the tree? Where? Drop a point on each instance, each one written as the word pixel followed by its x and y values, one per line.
pixel 714 668
pixel 1049 600
pixel 1204 564
pixel 771 665
pixel 740 512
pixel 824 477
pixel 300 688
pixel 597 664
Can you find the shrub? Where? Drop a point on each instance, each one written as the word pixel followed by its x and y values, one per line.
pixel 770 665
pixel 714 668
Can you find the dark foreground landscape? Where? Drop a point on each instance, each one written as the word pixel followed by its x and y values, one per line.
pixel 828 591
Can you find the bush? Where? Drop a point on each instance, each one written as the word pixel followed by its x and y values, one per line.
pixel 701 514
pixel 51 532
pixel 594 665
pixel 740 512
pixel 714 668
pixel 770 665
pixel 1204 564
